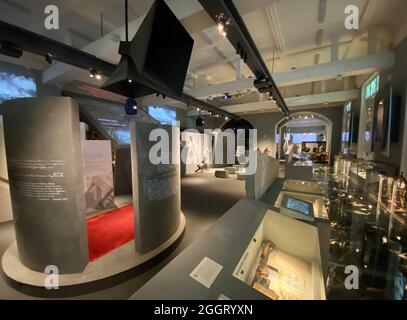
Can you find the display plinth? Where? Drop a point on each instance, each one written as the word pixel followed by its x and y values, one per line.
pixel 120 260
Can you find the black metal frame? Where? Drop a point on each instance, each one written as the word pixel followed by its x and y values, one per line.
pixel 20 39
pixel 239 36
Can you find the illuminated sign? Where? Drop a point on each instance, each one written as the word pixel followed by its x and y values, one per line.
pixel 372 87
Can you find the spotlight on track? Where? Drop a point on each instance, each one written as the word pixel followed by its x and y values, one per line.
pixel 10 50
pixel 200 122
pixel 131 107
pixel 49 58
pixel 227 96
pixel 98 76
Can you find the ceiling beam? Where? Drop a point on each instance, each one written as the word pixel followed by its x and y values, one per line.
pixel 274 23
pixel 28 41
pixel 241 39
pixel 327 71
pixel 309 100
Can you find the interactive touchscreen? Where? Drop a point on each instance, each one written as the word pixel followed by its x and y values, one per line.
pixel 299 206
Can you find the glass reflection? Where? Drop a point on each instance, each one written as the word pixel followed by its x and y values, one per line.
pixel 363 234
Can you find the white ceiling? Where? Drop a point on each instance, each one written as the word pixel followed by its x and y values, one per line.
pixel 285 31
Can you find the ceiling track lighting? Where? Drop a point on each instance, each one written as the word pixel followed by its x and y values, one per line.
pixel 98 76
pixel 10 50
pixel 223 22
pixel 92 73
pixel 95 74
pixel 49 58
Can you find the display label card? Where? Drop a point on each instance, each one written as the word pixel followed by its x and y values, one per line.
pixel 206 272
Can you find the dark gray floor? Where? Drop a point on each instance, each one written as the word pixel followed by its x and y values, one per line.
pixel 204 200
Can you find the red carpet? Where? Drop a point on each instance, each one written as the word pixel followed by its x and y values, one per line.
pixel 110 231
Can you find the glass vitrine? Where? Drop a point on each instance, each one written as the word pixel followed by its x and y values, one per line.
pixel 283 260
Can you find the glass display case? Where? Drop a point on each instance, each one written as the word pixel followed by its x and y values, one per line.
pixel 360 168
pixel 302 186
pixel 364 174
pixel 283 260
pixel 385 193
pixel 399 202
pixel 392 196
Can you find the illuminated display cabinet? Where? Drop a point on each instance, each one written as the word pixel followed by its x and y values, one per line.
pixel 364 174
pixel 399 203
pixel 393 196
pixel 283 260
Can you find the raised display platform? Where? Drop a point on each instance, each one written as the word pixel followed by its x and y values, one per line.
pixel 115 262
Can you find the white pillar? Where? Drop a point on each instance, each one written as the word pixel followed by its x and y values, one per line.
pixel 372 40
pixel 239 67
pixel 334 48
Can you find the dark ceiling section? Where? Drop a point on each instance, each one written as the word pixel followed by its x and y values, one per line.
pixel 225 12
pixel 15 40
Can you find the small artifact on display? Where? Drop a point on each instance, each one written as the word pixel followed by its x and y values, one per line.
pixel 399 196
pixel 280 276
pixel 386 192
pixel 202 168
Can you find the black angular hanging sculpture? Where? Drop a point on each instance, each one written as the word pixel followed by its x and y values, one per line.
pixel 157 57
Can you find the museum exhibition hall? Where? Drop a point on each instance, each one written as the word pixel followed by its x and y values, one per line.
pixel 203 150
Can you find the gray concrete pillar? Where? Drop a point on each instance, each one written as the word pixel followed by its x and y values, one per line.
pixel 43 148
pixel 156 187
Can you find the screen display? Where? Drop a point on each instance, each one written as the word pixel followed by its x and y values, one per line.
pixel 117 130
pixel 164 115
pixel 299 206
pixel 14 86
pixel 380 121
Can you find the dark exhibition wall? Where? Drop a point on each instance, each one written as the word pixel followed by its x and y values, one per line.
pixel 397 78
pixel 316 185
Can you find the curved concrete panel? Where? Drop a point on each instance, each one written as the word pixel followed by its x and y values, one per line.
pixel 116 262
pixel 42 138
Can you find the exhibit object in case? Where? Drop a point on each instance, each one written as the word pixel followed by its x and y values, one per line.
pixel 392 196
pixel 364 174
pixel 399 203
pixel 283 260
pixel 302 186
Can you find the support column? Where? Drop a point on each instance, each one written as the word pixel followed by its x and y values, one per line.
pixel 43 148
pixel 334 48
pixel 239 67
pixel 372 40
